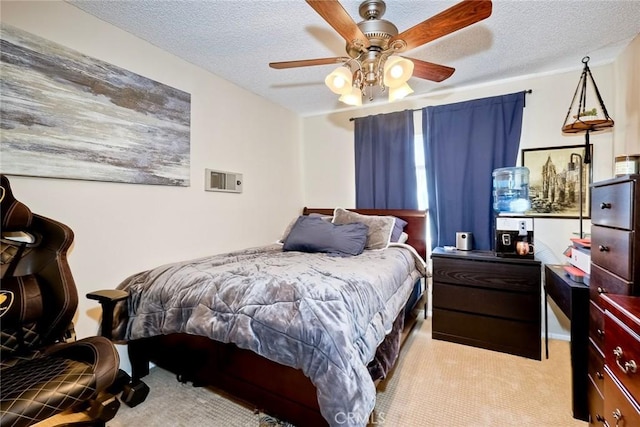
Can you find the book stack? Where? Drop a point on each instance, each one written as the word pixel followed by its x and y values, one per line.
pixel 579 257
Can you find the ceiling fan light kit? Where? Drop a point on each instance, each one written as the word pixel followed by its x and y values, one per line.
pixel 396 93
pixel 353 97
pixel 374 45
pixel 339 80
pixel 397 71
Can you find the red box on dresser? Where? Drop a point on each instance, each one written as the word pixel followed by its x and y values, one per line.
pixel 615 271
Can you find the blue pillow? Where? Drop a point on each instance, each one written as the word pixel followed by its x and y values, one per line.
pixel 314 234
pixel 398 228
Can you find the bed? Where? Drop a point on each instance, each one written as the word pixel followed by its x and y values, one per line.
pixel 302 336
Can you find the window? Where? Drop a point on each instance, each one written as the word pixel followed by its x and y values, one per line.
pixel 421 172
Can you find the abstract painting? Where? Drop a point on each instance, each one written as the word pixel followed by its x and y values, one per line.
pixel 67 115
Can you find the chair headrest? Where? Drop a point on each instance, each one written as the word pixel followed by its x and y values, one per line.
pixel 15 214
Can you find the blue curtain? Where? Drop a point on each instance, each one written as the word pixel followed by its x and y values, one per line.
pixel 464 143
pixel 385 161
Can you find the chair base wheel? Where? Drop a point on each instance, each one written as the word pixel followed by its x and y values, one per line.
pixel 121 380
pixel 135 393
pixel 104 407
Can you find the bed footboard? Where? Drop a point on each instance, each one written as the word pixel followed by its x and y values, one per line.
pixel 264 385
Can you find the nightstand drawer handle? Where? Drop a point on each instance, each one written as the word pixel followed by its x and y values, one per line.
pixel 605 205
pixel 629 366
pixel 603 248
pixel 601 290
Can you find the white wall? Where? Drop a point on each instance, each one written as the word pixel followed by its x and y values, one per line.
pixel 287 162
pixel 330 181
pixel 627 103
pixel 121 229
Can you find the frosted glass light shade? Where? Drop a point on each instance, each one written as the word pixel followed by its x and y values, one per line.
pixel 399 92
pixel 397 70
pixel 339 80
pixel 354 97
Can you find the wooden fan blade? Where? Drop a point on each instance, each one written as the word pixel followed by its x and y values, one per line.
pixel 308 62
pixel 430 71
pixel 335 15
pixel 453 19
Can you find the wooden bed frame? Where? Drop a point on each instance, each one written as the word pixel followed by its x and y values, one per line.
pixel 278 390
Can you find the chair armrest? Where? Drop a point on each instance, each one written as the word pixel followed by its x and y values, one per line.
pixel 108 295
pixel 108 299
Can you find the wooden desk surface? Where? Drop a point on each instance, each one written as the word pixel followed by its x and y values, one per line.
pixel 561 289
pixel 573 299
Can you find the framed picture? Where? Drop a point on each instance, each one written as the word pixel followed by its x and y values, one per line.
pixel 554 181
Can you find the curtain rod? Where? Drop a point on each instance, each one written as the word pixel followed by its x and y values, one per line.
pixel 418 109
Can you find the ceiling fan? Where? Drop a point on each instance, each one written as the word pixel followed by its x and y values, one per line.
pixel 373 45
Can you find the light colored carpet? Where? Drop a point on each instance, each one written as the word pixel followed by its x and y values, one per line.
pixel 435 383
pixel 438 383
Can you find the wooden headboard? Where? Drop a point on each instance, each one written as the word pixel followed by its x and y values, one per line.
pixel 416 226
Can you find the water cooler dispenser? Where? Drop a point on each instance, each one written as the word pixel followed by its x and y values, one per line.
pixel 511 190
pixel 513 230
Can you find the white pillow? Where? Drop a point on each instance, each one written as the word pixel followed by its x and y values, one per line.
pixel 380 227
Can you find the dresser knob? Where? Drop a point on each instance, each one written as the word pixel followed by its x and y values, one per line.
pixel 600 333
pixel 599 375
pixel 603 248
pixel 605 205
pixel 601 290
pixel 617 415
pixel 599 418
pixel 626 367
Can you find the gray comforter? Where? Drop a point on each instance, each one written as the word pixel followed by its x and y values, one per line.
pixel 319 313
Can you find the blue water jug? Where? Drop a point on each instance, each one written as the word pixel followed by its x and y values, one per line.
pixel 511 190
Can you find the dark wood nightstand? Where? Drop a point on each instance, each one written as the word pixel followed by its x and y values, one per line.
pixel 486 301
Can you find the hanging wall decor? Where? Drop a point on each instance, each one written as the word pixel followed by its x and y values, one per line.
pixel 587 112
pixel 67 115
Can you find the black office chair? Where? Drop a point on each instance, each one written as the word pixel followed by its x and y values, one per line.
pixel 44 371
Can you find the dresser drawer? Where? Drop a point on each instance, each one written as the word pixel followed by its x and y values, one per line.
pixel 612 250
pixel 489 302
pixel 596 404
pixel 619 409
pixel 622 353
pixel 603 282
pixel 596 366
pixel 611 205
pixel 596 324
pixel 493 333
pixel 495 275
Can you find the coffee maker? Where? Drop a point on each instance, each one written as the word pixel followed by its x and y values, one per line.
pixel 514 237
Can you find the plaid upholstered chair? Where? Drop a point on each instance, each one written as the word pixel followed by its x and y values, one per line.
pixel 44 371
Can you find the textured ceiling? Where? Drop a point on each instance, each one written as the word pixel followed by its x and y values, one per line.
pixel 237 39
